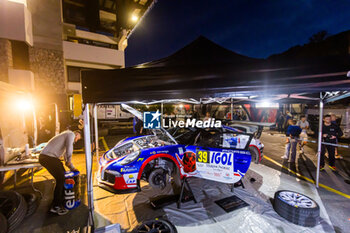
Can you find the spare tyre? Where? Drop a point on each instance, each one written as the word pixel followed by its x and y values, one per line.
pixel 3 223
pixel 156 225
pixel 32 203
pixel 13 207
pixel 297 208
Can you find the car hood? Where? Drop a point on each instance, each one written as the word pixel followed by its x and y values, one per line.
pixel 161 133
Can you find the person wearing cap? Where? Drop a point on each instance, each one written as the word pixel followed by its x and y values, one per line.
pixel 58 146
pixel 293 132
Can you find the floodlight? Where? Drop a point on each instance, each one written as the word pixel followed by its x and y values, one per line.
pixel 266 104
pixel 24 105
pixel 134 18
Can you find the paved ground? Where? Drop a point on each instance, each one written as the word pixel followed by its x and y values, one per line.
pixel 337 206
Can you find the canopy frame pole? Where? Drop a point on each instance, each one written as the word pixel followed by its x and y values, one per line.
pixel 88 158
pixel 319 141
pixel 97 148
pixel 231 109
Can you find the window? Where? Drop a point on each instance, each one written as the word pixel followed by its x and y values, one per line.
pixel 20 55
pixel 209 138
pixel 73 74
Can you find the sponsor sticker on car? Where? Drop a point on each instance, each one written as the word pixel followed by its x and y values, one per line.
pixel 130 178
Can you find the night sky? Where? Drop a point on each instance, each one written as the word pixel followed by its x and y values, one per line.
pixel 255 28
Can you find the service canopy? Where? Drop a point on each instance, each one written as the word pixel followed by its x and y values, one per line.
pixel 204 69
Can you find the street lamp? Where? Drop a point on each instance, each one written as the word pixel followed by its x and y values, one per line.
pixel 134 18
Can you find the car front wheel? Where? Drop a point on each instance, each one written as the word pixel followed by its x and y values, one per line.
pixel 255 154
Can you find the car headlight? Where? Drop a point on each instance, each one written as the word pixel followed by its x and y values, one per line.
pixel 130 158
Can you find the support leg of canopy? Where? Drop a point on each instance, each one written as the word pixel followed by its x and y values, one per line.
pixel 88 158
pixel 231 109
pixel 97 148
pixel 319 141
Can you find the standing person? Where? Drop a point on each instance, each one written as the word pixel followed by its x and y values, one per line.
pixel 287 122
pixel 43 131
pixel 228 115
pixel 293 133
pixel 138 127
pixel 280 122
pixel 304 125
pixel 61 144
pixel 207 116
pixel 334 121
pixel 330 133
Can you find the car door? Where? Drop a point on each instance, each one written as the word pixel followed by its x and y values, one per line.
pixel 222 155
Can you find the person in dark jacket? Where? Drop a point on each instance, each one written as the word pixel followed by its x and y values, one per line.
pixel 293 132
pixel 334 120
pixel 280 122
pixel 287 119
pixel 138 127
pixel 330 134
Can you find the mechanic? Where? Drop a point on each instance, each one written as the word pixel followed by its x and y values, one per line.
pixel 50 159
pixel 330 134
pixel 292 133
pixel 304 125
pixel 138 127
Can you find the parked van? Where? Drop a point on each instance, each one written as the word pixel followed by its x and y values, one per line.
pixel 112 112
pixel 343 119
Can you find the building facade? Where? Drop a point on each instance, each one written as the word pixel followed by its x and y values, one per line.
pixel 44 44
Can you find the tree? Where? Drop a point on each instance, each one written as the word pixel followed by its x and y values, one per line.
pixel 318 37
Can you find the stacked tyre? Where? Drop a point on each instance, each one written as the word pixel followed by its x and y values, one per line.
pixel 3 223
pixel 156 225
pixel 297 208
pixel 32 203
pixel 14 207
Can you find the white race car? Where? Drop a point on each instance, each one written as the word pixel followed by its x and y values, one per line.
pixel 256 146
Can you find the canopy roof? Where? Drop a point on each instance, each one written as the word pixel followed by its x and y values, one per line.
pixel 203 69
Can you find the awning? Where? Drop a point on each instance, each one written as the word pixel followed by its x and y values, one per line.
pixel 204 69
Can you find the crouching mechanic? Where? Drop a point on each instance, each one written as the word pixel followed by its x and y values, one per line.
pixel 61 144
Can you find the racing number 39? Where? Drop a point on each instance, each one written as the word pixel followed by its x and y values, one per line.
pixel 202 156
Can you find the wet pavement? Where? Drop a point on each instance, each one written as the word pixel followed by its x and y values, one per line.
pixel 337 206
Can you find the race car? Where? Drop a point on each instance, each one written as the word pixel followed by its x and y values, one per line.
pixel 186 136
pixel 255 128
pixel 156 158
